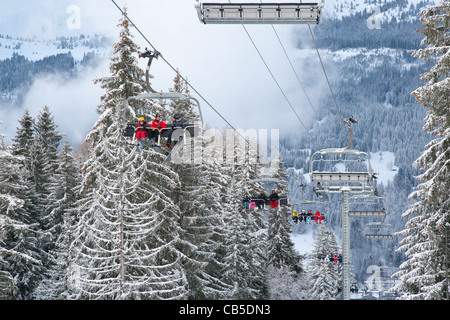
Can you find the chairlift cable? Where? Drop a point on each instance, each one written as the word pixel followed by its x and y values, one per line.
pixel 326 76
pixel 273 77
pixel 292 66
pixel 270 71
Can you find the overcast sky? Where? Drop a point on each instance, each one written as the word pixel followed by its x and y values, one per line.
pixel 220 62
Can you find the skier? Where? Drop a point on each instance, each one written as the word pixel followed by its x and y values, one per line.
pixel 156 127
pixel 335 259
pixel 141 132
pixel 295 216
pixel 318 216
pixel 308 217
pixel 246 201
pixel 177 123
pixel 303 216
pixel 274 199
pixel 252 202
pixel 261 200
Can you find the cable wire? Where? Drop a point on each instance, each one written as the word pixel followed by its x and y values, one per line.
pixel 292 66
pixel 290 63
pixel 270 71
pixel 326 76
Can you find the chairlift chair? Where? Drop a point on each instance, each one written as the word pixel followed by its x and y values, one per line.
pixel 378 230
pixel 310 205
pixel 283 199
pixel 260 13
pixel 190 130
pixel 336 167
pixel 367 206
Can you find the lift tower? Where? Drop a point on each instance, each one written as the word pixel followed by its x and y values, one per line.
pixel 345 171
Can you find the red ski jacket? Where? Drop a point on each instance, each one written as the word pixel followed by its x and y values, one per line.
pixel 158 125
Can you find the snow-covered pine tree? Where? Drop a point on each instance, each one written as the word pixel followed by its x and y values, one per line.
pixel 46 144
pixel 199 199
pixel 20 253
pixel 281 251
pixel 24 135
pixel 49 137
pixel 127 239
pixel 182 107
pixel 425 273
pixel 324 274
pixel 38 144
pixel 246 232
pixel 62 198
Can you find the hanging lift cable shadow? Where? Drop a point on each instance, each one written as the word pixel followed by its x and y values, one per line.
pixel 178 73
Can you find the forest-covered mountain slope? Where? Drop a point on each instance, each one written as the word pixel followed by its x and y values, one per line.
pixel 372 74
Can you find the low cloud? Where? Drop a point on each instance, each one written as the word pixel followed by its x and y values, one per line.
pixel 72 102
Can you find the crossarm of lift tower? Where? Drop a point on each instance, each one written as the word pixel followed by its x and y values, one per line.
pixel 260 13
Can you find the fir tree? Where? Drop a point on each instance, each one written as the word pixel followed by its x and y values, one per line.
pixel 127 239
pixel 24 135
pixel 324 274
pixel 62 198
pixel 246 231
pixel 125 74
pixel 281 251
pixel 202 219
pixel 21 256
pixel 424 274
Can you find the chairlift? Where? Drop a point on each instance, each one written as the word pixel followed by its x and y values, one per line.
pixel 333 168
pixel 260 13
pixel 378 230
pixel 283 199
pixel 181 135
pixel 177 133
pixel 367 206
pixel 310 205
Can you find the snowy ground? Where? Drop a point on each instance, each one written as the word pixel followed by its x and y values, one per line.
pixel 383 163
pixel 35 50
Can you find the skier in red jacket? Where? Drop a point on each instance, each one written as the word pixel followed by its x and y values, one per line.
pixel 156 127
pixel 141 132
pixel 318 216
